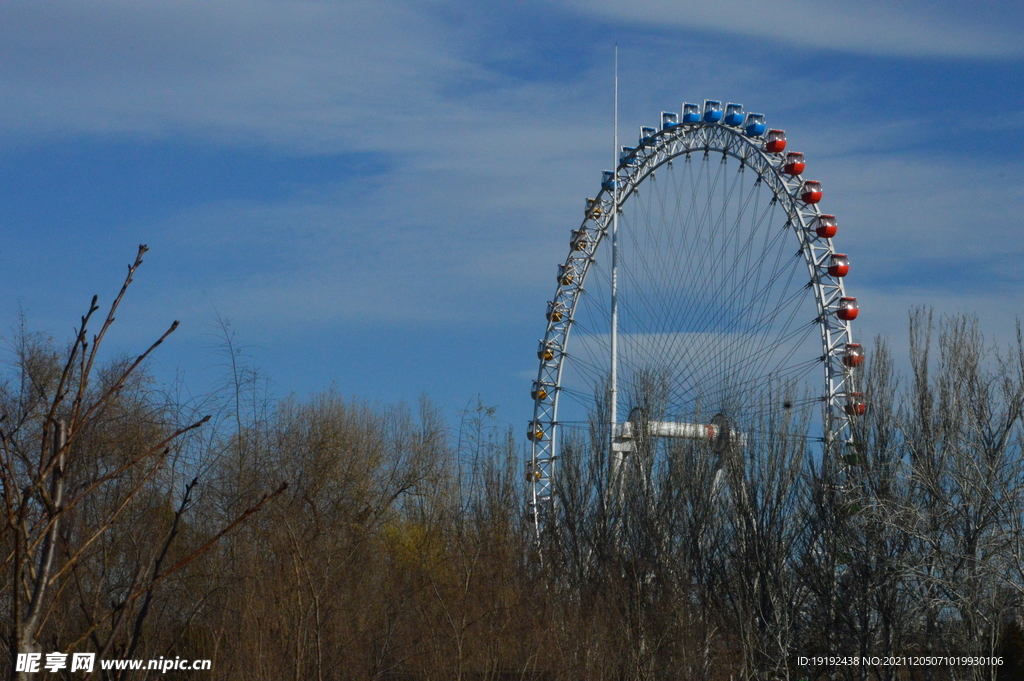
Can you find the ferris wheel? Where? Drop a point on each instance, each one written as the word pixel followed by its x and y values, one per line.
pixel 701 291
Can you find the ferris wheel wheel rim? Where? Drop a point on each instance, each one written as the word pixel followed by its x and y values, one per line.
pixel 633 170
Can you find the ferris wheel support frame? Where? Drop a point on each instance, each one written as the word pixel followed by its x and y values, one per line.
pixel 601 217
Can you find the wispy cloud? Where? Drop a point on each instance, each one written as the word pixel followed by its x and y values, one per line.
pixel 869 27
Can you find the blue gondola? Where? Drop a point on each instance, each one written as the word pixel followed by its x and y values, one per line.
pixel 755 125
pixel 712 111
pixel 669 120
pixel 734 114
pixel 625 157
pixel 646 134
pixel 691 113
pixel 607 180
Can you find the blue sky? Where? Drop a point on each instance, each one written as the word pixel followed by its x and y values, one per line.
pixel 376 194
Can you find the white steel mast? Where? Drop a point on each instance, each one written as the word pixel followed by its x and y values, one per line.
pixel 613 396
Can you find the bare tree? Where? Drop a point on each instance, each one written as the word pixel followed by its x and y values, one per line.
pixel 82 448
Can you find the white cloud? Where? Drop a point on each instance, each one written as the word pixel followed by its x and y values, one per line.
pixel 871 27
pixel 295 72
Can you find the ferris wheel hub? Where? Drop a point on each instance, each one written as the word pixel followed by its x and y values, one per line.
pixel 630 431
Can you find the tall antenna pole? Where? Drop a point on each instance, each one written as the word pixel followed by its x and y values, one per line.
pixel 613 396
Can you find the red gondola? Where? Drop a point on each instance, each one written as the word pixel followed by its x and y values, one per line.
pixel 838 265
pixel 855 404
pixel 825 226
pixel 848 309
pixel 853 355
pixel 811 191
pixel 794 163
pixel 775 141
